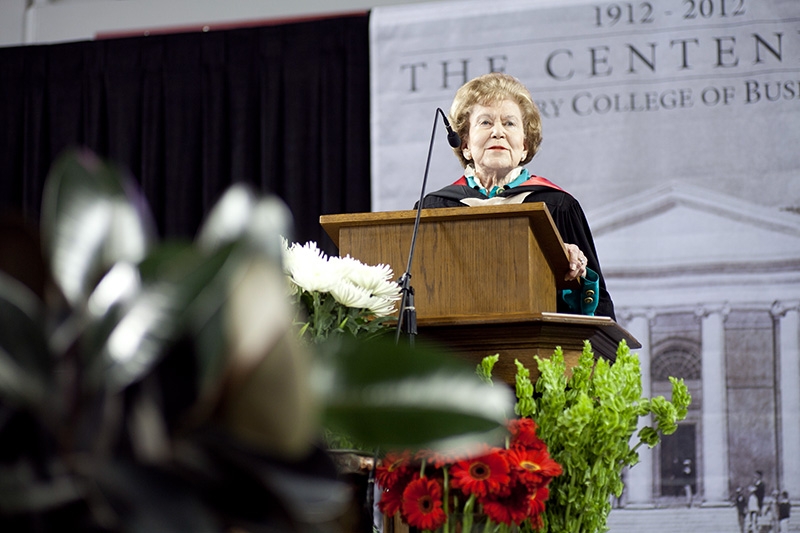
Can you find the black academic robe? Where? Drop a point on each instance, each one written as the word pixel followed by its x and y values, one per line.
pixel 565 210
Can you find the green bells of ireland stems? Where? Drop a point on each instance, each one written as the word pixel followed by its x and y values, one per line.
pixel 588 421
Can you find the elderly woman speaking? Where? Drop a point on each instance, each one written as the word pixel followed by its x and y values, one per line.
pixel 501 130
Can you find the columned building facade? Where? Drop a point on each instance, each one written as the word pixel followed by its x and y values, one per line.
pixel 710 285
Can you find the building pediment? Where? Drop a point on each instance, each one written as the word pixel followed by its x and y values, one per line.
pixel 683 227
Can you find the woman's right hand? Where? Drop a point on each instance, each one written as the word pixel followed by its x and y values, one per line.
pixel 577 262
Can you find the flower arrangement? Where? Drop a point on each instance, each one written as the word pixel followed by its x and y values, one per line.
pixel 337 295
pixel 588 420
pixel 504 487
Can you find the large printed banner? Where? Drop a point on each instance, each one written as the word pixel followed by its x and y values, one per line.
pixel 675 123
pixel 632 94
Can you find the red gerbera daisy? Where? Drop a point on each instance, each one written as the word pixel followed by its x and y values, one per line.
pixel 486 474
pixel 523 433
pixel 394 467
pixel 422 504
pixel 510 509
pixel 537 500
pixel 391 499
pixel 534 467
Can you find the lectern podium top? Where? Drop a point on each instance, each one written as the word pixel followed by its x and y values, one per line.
pixel 333 223
pixel 547 235
pixel 469 261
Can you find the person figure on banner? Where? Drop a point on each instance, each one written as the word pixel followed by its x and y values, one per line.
pixel 768 520
pixel 752 510
pixel 501 129
pixel 740 501
pixel 686 474
pixel 784 511
pixel 761 489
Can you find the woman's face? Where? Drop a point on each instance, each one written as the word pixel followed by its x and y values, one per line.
pixel 496 141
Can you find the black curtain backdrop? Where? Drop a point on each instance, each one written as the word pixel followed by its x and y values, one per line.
pixel 284 107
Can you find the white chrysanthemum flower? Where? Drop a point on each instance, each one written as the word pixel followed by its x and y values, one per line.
pixel 344 267
pixel 285 248
pixel 381 306
pixel 298 254
pixel 351 295
pixel 352 283
pixel 291 287
pixel 366 276
pixel 389 290
pixel 308 267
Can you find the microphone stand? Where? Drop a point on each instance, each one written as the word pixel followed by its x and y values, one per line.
pixel 407 317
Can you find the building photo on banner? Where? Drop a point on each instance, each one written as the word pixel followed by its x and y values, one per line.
pixel 674 123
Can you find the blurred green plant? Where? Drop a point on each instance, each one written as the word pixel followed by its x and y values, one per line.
pixel 159 386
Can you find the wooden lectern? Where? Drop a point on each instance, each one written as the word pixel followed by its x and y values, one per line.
pixel 486 280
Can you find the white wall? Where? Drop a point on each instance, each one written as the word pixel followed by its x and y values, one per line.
pixel 47 21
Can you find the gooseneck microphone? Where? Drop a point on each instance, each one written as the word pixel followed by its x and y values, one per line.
pixel 452 137
pixel 407 317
